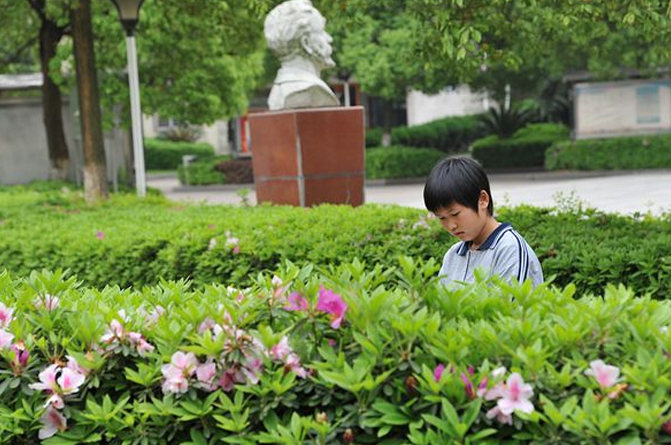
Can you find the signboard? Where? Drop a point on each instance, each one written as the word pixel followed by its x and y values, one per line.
pixel 623 108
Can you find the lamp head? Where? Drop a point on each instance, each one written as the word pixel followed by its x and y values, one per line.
pixel 129 13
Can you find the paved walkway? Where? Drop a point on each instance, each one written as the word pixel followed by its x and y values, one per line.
pixel 622 192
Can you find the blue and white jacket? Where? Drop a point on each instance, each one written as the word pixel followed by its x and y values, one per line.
pixel 504 253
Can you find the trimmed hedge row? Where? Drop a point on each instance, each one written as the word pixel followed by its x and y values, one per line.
pixel 161 154
pixel 624 153
pixel 526 149
pixel 338 356
pixel 449 135
pixel 202 171
pixel 400 162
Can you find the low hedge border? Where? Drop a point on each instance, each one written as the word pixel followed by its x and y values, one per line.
pixel 626 153
pixel 400 162
pixel 127 241
pixel 449 135
pixel 526 149
pixel 162 154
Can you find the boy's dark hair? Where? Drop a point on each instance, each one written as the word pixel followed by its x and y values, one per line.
pixel 456 179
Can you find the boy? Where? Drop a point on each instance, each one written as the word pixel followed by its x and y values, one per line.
pixel 457 192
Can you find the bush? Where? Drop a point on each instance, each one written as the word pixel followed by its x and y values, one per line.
pixel 526 149
pixel 202 171
pixel 505 122
pixel 162 154
pixel 400 162
pixel 332 357
pixel 129 241
pixel 237 171
pixel 624 153
pixel 449 135
pixel 374 137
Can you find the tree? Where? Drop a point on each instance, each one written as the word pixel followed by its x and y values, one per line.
pixel 95 176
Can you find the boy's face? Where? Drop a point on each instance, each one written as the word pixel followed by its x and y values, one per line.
pixel 464 222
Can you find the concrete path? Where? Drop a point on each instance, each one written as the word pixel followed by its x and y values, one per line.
pixel 621 192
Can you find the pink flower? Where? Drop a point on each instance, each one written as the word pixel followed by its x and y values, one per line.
pixel 470 392
pixel 175 381
pixel 280 350
pixel 47 380
pixel 293 364
pixel 438 372
pixel 605 375
pixel 499 415
pixel 331 303
pixel 70 381
pixel 52 422
pixel 21 354
pixel 187 363
pixel 100 234
pixel 516 395
pixel 75 366
pixel 227 380
pixel 113 333
pixel 295 302
pixel 6 339
pixel 205 374
pixel 141 345
pixel 56 401
pixel 482 387
pixel 5 316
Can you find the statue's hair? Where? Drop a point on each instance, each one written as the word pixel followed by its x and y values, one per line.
pixel 286 24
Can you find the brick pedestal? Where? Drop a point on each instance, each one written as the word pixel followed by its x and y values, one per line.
pixel 309 156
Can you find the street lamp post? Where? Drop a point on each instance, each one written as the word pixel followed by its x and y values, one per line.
pixel 129 15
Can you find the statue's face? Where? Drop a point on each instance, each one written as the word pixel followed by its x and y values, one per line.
pixel 317 43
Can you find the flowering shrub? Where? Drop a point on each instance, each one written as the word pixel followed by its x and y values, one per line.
pixel 349 354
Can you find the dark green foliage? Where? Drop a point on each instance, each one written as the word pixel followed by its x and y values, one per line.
pixel 505 121
pixel 611 154
pixel 202 171
pixel 400 162
pixel 449 135
pixel 374 137
pixel 161 154
pixel 144 240
pixel 526 149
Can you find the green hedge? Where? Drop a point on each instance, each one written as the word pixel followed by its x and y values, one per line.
pixel 358 359
pixel 374 137
pixel 161 154
pixel 449 135
pixel 127 241
pixel 611 154
pixel 400 162
pixel 202 171
pixel 526 149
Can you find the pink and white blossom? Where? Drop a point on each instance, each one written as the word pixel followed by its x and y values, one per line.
pixel 516 395
pixel 70 381
pixel 333 304
pixel 605 375
pixel 47 301
pixel 6 339
pixel 52 422
pixel 47 380
pixel 280 350
pixel 6 316
pixel 293 364
pixel 496 413
pixel 205 373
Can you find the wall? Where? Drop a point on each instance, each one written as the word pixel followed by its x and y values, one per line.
pixel 605 109
pixel 216 134
pixel 459 101
pixel 24 155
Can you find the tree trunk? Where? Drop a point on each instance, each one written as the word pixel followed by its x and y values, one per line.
pixel 95 180
pixel 50 35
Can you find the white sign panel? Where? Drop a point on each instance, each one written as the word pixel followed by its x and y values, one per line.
pixel 622 108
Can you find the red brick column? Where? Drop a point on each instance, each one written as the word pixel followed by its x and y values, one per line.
pixel 309 156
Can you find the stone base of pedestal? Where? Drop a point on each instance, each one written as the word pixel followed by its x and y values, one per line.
pixel 309 156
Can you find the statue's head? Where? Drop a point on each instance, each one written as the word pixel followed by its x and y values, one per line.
pixel 296 28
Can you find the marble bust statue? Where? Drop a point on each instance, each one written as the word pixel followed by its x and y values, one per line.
pixel 296 35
